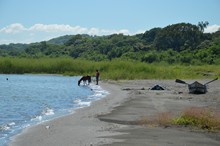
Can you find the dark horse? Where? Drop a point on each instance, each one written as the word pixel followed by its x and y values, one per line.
pixel 84 79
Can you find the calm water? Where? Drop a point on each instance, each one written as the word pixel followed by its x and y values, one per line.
pixel 27 100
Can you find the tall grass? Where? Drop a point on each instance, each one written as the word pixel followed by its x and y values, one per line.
pixel 115 69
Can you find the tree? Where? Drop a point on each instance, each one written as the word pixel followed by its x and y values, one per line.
pixel 202 25
pixel 150 57
pixel 150 35
pixel 43 45
pixel 178 36
pixel 76 39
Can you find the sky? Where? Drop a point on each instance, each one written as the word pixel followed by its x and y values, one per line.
pixel 27 21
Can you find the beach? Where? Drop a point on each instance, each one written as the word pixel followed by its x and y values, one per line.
pixel 113 120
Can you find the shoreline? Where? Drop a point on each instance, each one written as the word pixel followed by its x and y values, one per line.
pixel 82 125
pixel 108 121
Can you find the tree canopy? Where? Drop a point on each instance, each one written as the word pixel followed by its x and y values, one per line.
pixel 177 43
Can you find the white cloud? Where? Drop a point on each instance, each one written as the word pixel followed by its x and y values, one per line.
pixel 124 31
pixel 17 33
pixel 93 31
pixel 56 28
pixel 212 28
pixel 13 28
pixel 140 31
pixel 5 41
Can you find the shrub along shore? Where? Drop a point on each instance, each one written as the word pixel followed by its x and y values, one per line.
pixel 115 69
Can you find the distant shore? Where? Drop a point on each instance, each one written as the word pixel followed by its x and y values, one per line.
pixel 109 121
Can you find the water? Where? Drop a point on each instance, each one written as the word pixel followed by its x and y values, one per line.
pixel 26 100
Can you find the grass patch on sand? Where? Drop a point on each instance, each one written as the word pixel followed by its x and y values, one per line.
pixel 203 118
pixel 162 119
pixel 197 117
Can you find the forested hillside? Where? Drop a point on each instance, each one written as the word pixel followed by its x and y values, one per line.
pixel 181 43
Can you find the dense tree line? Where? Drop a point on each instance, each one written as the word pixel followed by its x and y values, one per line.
pixel 183 43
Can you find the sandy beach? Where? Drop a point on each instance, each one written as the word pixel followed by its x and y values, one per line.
pixel 113 120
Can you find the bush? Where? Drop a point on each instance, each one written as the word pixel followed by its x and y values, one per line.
pixel 200 117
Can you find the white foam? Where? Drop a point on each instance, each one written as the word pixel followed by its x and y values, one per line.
pixel 4 127
pixel 7 126
pixel 85 103
pixel 11 124
pixel 82 103
pixel 45 112
pixel 99 92
pixel 37 118
pixel 26 126
pixel 48 112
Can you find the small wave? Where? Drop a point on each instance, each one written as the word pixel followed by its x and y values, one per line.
pixel 7 126
pixel 25 126
pixel 97 95
pixel 37 118
pixel 11 124
pixel 4 127
pixel 48 112
pixel 82 103
pixel 45 112
pixel 98 92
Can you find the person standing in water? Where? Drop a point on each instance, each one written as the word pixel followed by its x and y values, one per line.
pixel 97 77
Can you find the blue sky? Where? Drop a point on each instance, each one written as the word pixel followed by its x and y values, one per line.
pixel 26 21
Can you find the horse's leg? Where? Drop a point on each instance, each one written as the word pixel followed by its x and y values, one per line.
pixel 79 82
pixel 84 82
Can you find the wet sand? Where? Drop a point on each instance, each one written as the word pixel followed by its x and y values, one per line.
pixel 113 120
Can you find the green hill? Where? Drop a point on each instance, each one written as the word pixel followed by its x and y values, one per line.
pixel 60 40
pixel 181 43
